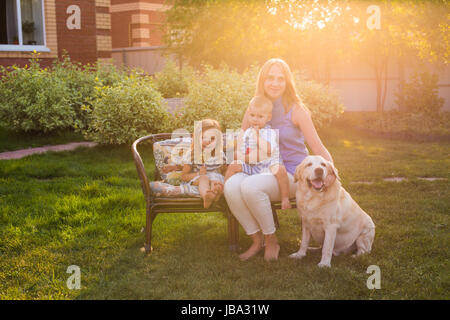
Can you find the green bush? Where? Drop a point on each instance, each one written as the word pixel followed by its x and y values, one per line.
pixel 55 99
pixel 224 94
pixel 171 82
pixel 32 99
pixel 125 111
pixel 81 82
pixel 323 102
pixel 220 94
pixel 420 95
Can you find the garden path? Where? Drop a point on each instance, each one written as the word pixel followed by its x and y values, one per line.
pixel 61 147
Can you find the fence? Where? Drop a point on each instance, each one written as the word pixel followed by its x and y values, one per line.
pixel 149 59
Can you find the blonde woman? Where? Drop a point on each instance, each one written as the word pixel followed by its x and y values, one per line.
pixel 249 197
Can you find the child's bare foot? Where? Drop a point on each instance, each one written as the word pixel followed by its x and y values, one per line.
pixel 253 250
pixel 208 199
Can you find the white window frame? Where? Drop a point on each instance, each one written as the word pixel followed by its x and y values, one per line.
pixel 21 46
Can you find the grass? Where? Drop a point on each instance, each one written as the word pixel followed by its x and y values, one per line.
pixel 10 140
pixel 86 208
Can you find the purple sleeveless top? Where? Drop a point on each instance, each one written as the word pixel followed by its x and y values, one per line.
pixel 292 141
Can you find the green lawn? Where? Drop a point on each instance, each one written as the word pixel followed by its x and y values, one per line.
pixel 10 140
pixel 86 208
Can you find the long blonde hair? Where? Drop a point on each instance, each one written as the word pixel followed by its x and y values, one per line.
pixel 206 125
pixel 290 96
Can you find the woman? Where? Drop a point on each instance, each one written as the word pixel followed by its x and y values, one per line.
pixel 249 197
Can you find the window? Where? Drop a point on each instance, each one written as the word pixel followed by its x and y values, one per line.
pixel 22 25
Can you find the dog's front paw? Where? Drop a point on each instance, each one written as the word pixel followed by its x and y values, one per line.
pixel 324 265
pixel 297 255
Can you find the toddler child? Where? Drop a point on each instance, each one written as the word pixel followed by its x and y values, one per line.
pixel 258 150
pixel 207 175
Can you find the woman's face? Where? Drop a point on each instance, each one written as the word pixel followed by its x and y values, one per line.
pixel 275 83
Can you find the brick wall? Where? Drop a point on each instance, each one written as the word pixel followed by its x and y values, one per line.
pixel 103 32
pixel 80 44
pixel 137 23
pixel 88 44
pixel 21 62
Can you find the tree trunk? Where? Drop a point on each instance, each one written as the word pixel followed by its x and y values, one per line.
pixel 378 82
pixel 386 63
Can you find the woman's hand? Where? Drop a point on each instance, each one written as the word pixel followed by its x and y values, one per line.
pixel 285 204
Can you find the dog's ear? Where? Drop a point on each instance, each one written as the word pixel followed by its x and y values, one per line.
pixel 332 174
pixel 299 172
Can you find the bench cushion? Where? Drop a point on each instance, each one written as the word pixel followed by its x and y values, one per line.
pixel 165 154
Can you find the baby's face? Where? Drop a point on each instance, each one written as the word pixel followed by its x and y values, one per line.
pixel 258 118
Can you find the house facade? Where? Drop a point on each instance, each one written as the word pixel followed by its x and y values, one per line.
pixel 137 23
pixel 82 28
pixel 137 34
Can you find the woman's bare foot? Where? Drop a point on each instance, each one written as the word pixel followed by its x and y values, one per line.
pixel 253 250
pixel 272 248
pixel 208 199
pixel 256 246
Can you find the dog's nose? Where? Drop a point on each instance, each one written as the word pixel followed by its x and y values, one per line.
pixel 318 171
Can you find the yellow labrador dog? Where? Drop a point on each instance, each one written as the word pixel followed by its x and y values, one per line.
pixel 328 212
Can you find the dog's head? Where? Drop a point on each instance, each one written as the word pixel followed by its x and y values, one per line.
pixel 316 173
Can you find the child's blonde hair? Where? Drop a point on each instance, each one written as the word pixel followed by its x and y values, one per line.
pixel 261 103
pixel 206 125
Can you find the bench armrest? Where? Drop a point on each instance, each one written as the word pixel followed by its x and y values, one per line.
pixel 140 165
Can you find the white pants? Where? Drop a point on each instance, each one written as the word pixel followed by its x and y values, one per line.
pixel 249 200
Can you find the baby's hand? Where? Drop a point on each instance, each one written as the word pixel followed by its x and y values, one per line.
pixel 217 187
pixel 202 170
pixel 285 203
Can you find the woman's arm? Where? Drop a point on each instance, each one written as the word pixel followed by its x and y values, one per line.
pixel 302 118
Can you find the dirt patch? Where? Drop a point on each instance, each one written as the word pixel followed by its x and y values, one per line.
pixel 395 179
pixel 61 147
pixel 431 178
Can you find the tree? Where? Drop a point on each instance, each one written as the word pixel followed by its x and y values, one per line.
pixel 310 34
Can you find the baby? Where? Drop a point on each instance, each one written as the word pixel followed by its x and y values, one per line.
pixel 258 151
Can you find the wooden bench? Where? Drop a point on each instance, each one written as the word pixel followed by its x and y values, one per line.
pixel 156 205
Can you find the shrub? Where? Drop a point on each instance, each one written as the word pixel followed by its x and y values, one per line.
pixel 79 84
pixel 220 94
pixel 35 99
pixel 420 95
pixel 125 111
pixel 172 82
pixel 32 99
pixel 323 102
pixel 81 81
pixel 223 94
